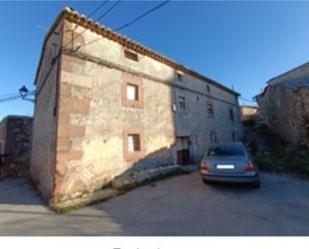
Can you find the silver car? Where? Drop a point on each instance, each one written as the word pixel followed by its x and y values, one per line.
pixel 229 163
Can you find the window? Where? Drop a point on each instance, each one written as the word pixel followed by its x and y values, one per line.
pixel 210 109
pixel 231 114
pixel 233 136
pixel 132 92
pixel 134 142
pixel 130 55
pixel 182 103
pixel 208 88
pixel 213 137
pixel 179 76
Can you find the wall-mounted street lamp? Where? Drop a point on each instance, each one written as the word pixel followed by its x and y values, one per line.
pixel 24 93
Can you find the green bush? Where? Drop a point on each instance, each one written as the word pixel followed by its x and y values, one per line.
pixel 279 155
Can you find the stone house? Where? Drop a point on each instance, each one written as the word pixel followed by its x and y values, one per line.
pixel 284 105
pixel 15 140
pixel 107 105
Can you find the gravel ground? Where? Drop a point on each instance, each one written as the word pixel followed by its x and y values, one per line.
pixel 181 205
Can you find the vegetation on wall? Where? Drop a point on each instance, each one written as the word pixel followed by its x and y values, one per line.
pixel 271 153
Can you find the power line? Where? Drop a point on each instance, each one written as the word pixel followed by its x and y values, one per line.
pixel 8 95
pixel 97 19
pixel 141 16
pixel 109 10
pixel 10 98
pixel 93 12
pixel 247 100
pixel 130 23
pixel 15 97
pixel 98 8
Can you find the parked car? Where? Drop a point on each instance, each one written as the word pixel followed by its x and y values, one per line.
pixel 229 163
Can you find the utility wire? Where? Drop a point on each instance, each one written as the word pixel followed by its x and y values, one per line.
pixel 130 23
pixel 142 16
pixel 9 98
pixel 98 8
pixel 8 95
pixel 109 10
pixel 93 12
pixel 247 100
pixel 97 19
pixel 15 97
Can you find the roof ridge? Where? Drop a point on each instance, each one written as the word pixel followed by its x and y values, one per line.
pixel 287 72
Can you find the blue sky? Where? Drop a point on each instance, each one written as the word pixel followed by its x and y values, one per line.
pixel 236 43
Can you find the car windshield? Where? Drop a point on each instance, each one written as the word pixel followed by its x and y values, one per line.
pixel 227 150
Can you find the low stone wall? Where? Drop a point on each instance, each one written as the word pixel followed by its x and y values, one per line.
pixel 122 184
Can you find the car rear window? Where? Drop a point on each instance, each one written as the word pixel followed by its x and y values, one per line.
pixel 226 151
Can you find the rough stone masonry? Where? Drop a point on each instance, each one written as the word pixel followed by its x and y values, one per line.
pixel 15 142
pixel 108 107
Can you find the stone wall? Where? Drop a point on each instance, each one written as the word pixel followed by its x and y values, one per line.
pixel 43 158
pixel 285 110
pixel 15 139
pixel 303 114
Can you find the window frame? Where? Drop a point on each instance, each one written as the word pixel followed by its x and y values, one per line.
pixel 211 114
pixel 181 109
pixel 136 142
pixel 208 88
pixel 128 54
pixel 231 114
pixel 135 154
pixel 233 136
pixel 136 97
pixel 129 79
pixel 213 137
pixel 179 76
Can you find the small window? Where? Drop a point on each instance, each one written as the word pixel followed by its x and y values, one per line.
pixel 213 137
pixel 233 136
pixel 130 55
pixel 132 92
pixel 182 103
pixel 179 76
pixel 208 88
pixel 210 109
pixel 134 142
pixel 231 114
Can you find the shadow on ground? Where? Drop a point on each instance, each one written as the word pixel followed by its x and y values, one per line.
pixel 178 206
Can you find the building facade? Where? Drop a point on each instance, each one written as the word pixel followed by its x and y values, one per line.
pixel 15 142
pixel 284 105
pixel 106 105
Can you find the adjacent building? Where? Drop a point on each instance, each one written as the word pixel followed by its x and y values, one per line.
pixel 284 105
pixel 250 115
pixel 15 143
pixel 107 105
